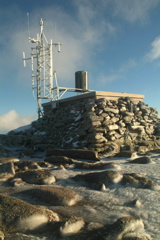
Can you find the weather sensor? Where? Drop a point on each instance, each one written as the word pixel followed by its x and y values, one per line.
pixel 43 76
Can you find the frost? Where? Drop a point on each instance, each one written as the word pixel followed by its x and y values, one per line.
pixel 22 129
pixel 39 133
pixel 77 118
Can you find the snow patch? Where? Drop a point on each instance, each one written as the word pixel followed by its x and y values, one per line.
pixel 39 133
pixel 32 222
pixel 22 128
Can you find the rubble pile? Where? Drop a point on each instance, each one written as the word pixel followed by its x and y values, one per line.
pixel 97 124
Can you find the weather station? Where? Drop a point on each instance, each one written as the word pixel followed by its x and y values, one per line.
pixel 44 78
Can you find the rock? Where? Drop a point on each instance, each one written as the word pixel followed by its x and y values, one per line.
pixel 112 127
pixel 136 180
pixel 93 179
pixel 54 195
pixel 71 227
pixel 137 129
pixel 59 159
pixel 30 164
pixel 112 110
pixel 17 215
pixel 141 160
pixel 1 235
pixel 8 159
pixel 126 154
pixel 155 151
pixel 136 203
pixel 74 153
pixel 97 165
pixel 69 125
pixel 21 236
pixel 7 168
pixel 142 149
pixel 125 228
pixel 16 182
pixel 133 236
pixel 5 177
pixel 37 177
pixel 94 225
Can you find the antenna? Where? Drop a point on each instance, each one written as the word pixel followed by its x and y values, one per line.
pixel 28 23
pixel 42 66
pixel 24 59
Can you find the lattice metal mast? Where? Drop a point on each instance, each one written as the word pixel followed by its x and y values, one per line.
pixel 42 76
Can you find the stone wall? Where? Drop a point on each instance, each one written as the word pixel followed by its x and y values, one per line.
pixel 98 124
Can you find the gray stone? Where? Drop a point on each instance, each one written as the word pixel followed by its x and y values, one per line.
pixel 68 125
pixel 141 160
pixel 53 195
pixel 112 110
pixel 59 159
pixel 37 177
pixel 126 154
pixel 23 216
pixel 7 168
pixel 112 127
pixel 74 153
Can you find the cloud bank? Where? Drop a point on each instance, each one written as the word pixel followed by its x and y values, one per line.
pixel 133 11
pixel 154 53
pixel 82 34
pixel 13 120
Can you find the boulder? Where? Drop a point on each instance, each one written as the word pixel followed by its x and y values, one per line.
pixel 96 165
pixel 59 159
pixel 19 216
pixel 8 159
pixel 125 154
pixel 74 153
pixel 95 179
pixel 136 180
pixel 53 195
pixel 1 235
pixel 72 226
pixel 124 228
pixel 37 177
pixel 141 160
pixel 7 168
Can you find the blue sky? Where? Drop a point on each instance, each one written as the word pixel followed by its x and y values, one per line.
pixel 116 41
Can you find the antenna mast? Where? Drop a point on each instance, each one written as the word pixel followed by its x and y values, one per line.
pixel 42 76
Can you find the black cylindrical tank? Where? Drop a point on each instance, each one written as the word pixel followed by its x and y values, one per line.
pixel 81 81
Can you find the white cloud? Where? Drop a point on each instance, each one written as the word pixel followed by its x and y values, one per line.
pixel 137 10
pixel 80 35
pixel 155 50
pixel 13 120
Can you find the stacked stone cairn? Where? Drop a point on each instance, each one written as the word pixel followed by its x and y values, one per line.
pixel 98 124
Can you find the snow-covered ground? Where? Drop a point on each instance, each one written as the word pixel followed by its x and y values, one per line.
pixel 106 206
pixel 114 202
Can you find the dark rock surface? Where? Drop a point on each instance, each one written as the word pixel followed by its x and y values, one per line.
pixel 141 160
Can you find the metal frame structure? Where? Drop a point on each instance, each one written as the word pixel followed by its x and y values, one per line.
pixel 43 76
pixel 44 79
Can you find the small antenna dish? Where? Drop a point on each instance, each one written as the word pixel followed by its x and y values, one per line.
pixel 59 47
pixel 24 59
